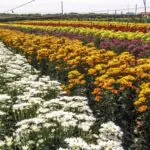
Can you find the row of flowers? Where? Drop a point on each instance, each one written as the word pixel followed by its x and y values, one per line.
pixel 135 47
pixel 35 114
pixel 115 26
pixel 92 32
pixel 138 48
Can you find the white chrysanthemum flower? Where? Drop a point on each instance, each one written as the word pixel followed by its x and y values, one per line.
pixel 95 147
pixel 40 141
pixel 110 131
pixel 77 143
pixel 9 141
pixel 25 147
pixel 4 97
pixel 2 113
pixel 2 144
pixel 35 100
pixel 63 148
pixel 32 120
pixel 21 106
pixel 8 75
pixel 42 110
pixel 69 124
pixel 48 125
pixel 35 128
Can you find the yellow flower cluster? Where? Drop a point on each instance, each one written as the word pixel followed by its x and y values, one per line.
pixel 75 78
pixel 143 98
pixel 91 24
pixel 99 69
pixel 102 33
pixel 42 53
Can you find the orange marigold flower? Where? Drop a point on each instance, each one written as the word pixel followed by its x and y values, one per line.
pixel 82 82
pixel 98 98
pixel 96 91
pixel 115 91
pixel 142 108
pixel 71 86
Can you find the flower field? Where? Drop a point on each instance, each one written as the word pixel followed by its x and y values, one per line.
pixel 74 85
pixel 131 27
pixel 35 114
pixel 118 40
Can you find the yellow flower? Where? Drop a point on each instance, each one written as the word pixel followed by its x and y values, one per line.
pixel 82 82
pixel 92 71
pixel 73 74
pixel 140 100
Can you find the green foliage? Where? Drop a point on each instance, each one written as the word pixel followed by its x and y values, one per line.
pixel 97 42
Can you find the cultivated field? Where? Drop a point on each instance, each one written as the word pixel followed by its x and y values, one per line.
pixel 74 85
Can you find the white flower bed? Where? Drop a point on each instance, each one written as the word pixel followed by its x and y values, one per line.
pixel 34 114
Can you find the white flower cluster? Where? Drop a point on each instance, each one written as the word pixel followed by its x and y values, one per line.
pixel 38 116
pixel 4 98
pixel 57 116
pixel 69 112
pixel 77 143
pixel 109 137
pixel 110 131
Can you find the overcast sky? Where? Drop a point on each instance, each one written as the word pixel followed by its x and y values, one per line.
pixel 81 6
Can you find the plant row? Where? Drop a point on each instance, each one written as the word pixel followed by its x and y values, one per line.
pixel 137 47
pixel 92 32
pixel 115 26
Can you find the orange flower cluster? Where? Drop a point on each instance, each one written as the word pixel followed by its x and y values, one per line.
pixel 143 98
pixel 75 78
pixel 42 53
pixel 116 26
pixel 85 67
